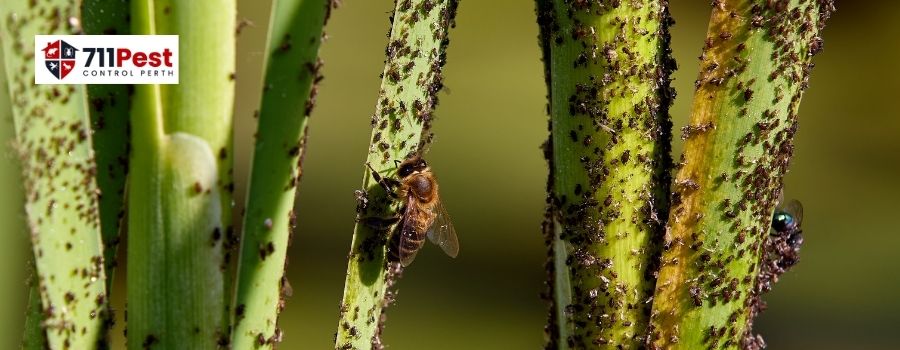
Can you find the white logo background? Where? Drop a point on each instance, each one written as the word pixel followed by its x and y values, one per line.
pixel 128 73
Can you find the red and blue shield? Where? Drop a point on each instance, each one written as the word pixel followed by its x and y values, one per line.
pixel 59 58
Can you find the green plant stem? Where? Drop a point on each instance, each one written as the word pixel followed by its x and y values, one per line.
pixel 608 76
pixel 53 140
pixel 110 106
pixel 292 70
pixel 11 213
pixel 401 124
pixel 179 198
pixel 754 68
pixel 35 337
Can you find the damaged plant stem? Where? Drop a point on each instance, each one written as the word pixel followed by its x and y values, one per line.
pixel 53 142
pixel 411 79
pixel 607 69
pixel 179 198
pixel 754 67
pixel 292 72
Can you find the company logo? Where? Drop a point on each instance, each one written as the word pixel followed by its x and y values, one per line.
pixel 59 58
pixel 106 59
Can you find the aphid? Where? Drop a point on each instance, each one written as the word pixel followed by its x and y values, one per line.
pixel 423 213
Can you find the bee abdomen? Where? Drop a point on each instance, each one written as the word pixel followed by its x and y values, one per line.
pixel 406 244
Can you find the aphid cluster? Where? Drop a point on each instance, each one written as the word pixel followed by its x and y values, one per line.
pixel 416 53
pixel 618 133
pixel 759 105
pixel 780 252
pixel 59 171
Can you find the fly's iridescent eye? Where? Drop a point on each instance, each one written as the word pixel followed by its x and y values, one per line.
pixel 788 216
pixel 782 221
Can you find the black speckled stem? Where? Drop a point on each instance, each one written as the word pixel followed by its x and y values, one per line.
pixel 416 52
pixel 607 65
pixel 754 68
pixel 53 141
pixel 292 72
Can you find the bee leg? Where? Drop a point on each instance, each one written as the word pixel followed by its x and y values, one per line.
pixel 387 184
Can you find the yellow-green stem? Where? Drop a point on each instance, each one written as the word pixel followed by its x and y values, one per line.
pixel 403 114
pixel 11 213
pixel 754 67
pixel 53 141
pixel 179 197
pixel 292 70
pixel 607 68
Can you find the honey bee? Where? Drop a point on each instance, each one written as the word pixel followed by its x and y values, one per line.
pixel 423 214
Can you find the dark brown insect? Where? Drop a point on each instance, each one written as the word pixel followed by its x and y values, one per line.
pixel 423 213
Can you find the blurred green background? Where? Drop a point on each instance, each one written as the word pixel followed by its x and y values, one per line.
pixel 490 123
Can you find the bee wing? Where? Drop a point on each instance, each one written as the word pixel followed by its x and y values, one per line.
pixel 407 255
pixel 442 232
pixel 794 208
pixel 409 241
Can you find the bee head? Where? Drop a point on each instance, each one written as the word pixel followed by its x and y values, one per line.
pixel 410 166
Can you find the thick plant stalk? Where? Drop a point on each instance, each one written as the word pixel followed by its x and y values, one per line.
pixel 754 68
pixel 292 70
pixel 110 106
pixel 53 140
pixel 10 178
pixel 401 124
pixel 607 68
pixel 179 187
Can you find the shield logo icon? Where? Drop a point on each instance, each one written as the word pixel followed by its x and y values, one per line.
pixel 59 58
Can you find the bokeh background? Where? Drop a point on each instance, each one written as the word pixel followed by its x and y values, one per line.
pixel 845 293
